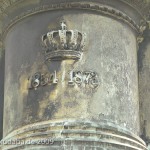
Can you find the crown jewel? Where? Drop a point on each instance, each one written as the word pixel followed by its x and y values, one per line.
pixel 63 44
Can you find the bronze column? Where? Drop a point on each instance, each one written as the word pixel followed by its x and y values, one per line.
pixel 71 74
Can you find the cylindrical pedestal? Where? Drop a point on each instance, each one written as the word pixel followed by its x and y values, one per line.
pixel 81 98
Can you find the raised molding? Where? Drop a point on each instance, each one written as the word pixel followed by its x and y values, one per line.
pixel 141 5
pixel 110 135
pixel 84 6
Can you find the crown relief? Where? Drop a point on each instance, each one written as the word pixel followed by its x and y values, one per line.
pixel 63 44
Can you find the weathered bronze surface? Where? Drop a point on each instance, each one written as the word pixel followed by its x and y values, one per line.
pixel 75 86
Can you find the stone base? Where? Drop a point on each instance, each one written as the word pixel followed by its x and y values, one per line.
pixel 73 135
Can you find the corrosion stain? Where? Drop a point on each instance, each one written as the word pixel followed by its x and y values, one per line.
pixel 51 109
pixel 71 104
pixel 53 95
pixel 24 84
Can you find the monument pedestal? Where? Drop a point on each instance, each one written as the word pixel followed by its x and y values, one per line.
pixel 71 77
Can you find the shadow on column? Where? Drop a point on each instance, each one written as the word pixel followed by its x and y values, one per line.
pixel 2 64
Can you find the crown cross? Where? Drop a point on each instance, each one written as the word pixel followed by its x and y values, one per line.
pixel 63 26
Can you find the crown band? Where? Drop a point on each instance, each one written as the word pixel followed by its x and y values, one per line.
pixel 63 54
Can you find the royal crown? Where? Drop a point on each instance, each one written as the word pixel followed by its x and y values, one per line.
pixel 63 44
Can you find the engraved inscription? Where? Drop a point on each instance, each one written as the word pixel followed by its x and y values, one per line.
pixel 39 79
pixel 86 79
